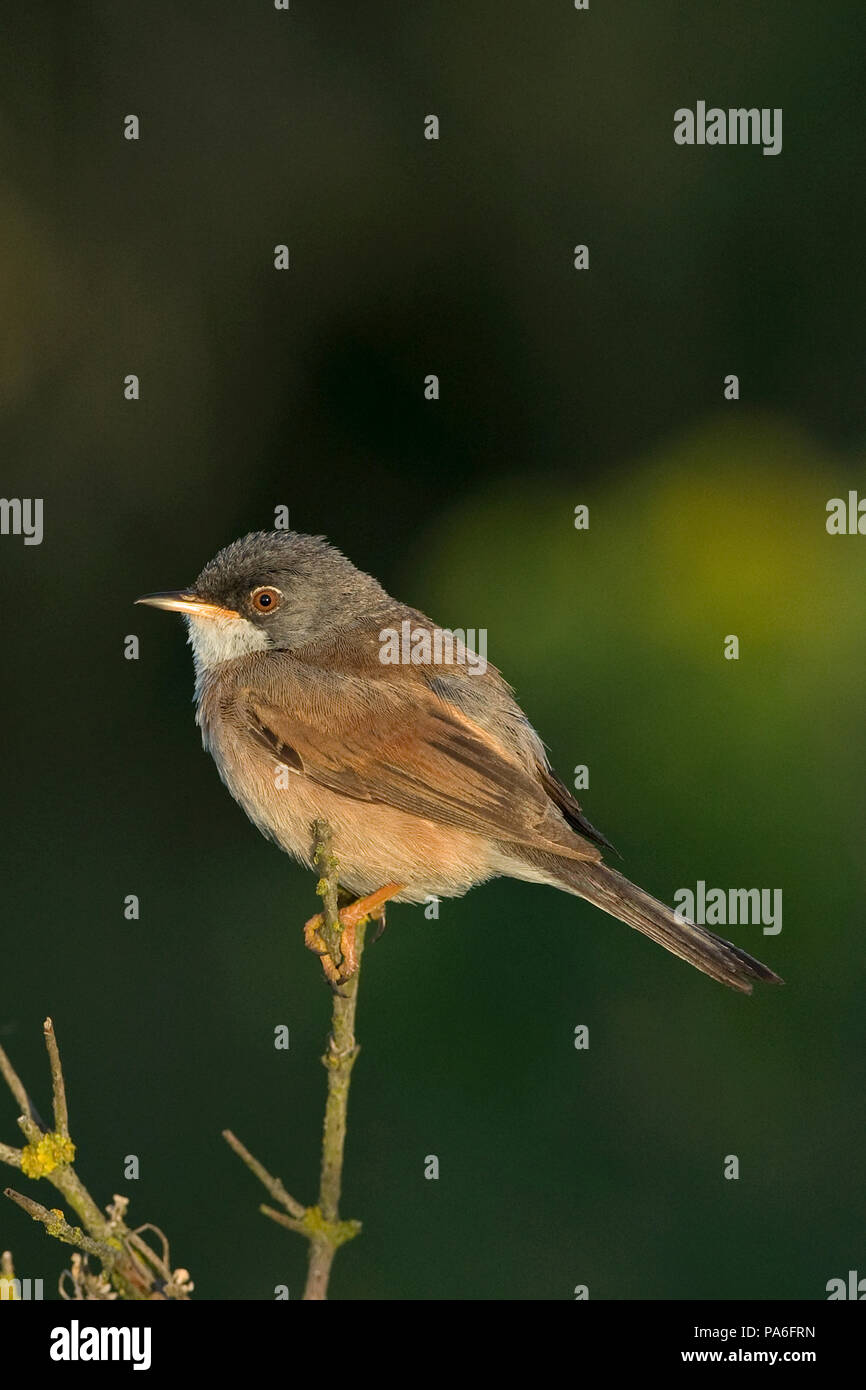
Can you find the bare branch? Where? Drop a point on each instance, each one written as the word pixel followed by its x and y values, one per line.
pixel 321 1224
pixel 58 1087
pixel 13 1081
pixel 274 1186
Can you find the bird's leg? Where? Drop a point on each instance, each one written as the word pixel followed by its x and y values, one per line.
pixel 351 916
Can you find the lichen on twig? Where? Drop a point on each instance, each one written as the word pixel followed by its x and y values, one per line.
pixel 131 1269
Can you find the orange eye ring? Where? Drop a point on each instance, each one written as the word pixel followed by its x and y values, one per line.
pixel 266 598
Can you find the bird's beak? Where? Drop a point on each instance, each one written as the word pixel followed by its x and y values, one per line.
pixel 178 601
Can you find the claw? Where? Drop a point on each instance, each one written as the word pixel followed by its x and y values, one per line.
pixel 351 916
pixel 379 919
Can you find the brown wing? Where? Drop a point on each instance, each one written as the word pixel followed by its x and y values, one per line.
pixel 571 807
pixel 394 742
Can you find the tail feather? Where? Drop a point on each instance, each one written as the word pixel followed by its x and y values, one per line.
pixel 614 893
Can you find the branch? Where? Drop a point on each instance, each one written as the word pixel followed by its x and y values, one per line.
pixel 339 1059
pixel 26 1122
pixel 274 1186
pixel 321 1224
pixel 58 1087
pixel 133 1269
pixel 328 888
pixel 56 1225
pixel 10 1155
pixel 13 1081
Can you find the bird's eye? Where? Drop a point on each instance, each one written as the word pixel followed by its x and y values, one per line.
pixel 266 598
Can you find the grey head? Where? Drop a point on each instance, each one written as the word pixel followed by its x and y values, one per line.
pixel 270 590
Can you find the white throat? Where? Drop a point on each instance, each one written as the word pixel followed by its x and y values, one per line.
pixel 215 640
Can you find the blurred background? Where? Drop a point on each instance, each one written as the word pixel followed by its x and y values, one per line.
pixel 305 389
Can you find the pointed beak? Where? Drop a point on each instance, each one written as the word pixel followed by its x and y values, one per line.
pixel 179 601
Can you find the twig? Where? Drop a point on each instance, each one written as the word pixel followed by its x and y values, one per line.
pixel 339 1059
pixel 290 1222
pixel 321 1224
pixel 56 1224
pixel 61 1118
pixel 274 1186
pixel 49 1154
pixel 13 1081
pixel 328 888
pixel 10 1155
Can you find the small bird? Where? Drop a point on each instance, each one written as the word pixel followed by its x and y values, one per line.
pixel 428 772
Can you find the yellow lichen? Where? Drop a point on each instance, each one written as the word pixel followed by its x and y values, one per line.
pixel 335 1232
pixel 49 1152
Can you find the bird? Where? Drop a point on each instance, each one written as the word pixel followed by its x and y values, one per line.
pixel 427 771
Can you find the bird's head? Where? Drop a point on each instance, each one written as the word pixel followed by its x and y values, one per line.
pixel 270 590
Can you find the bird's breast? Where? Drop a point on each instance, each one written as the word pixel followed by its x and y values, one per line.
pixel 375 843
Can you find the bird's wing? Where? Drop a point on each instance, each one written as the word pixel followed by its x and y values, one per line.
pixel 393 741
pixel 570 806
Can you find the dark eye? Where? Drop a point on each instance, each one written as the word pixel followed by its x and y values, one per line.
pixel 266 598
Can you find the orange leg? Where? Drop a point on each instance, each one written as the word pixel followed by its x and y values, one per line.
pixel 351 916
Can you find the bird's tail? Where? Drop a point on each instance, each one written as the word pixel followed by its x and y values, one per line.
pixel 613 893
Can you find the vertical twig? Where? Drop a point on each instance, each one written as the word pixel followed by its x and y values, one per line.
pixel 58 1086
pixel 321 1224
pixel 339 1060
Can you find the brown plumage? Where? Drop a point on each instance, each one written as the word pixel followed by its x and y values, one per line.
pixel 431 776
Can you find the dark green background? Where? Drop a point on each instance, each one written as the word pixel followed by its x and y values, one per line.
pixel 558 1167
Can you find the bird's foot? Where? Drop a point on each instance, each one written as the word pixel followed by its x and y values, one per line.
pixel 350 917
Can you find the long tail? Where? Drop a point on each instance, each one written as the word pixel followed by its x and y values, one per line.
pixel 613 893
